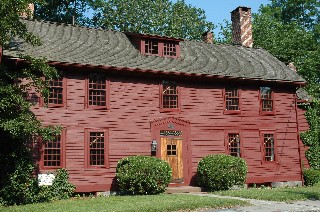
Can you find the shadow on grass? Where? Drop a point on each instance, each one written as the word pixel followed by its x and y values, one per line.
pixel 310 195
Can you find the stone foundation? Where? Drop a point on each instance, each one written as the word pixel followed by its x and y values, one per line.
pixel 286 184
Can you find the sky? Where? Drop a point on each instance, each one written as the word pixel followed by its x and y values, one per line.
pixel 218 10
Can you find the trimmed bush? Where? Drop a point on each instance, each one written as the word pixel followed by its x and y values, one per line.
pixel 311 176
pixel 221 172
pixel 137 175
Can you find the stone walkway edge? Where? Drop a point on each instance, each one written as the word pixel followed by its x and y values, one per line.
pixel 265 206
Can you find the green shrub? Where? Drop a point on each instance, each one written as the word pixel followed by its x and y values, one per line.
pixel 311 176
pixel 61 188
pixel 22 188
pixel 138 175
pixel 19 187
pixel 221 172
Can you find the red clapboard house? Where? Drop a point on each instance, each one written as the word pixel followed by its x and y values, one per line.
pixel 123 94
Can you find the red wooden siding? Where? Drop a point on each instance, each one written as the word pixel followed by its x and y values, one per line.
pixel 303 126
pixel 134 103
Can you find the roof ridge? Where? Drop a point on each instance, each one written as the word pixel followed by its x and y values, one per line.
pixel 66 24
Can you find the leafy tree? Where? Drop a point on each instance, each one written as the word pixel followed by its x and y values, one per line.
pixel 305 12
pixel 289 42
pixel 160 17
pixel 17 123
pixel 66 11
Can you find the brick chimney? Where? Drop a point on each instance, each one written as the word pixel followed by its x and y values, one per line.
pixel 242 26
pixel 292 66
pixel 207 37
pixel 29 13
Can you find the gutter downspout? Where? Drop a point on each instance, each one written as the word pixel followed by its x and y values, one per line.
pixel 298 136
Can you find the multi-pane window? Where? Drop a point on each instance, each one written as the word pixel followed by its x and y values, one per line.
pixel 96 147
pixel 170 95
pixel 151 47
pixel 55 92
pixel 171 149
pixel 232 99
pixel 52 152
pixel 266 100
pixel 169 49
pixel 269 147
pixel 160 48
pixel 234 144
pixel 97 91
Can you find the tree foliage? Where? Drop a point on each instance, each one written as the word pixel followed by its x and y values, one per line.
pixel 15 117
pixel 289 41
pixel 160 17
pixel 18 124
pixel 66 11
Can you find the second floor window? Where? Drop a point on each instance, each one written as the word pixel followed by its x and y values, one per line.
pixel 57 95
pixel 232 100
pixel 169 95
pixel 266 100
pixel 97 91
pixel 234 148
pixel 55 92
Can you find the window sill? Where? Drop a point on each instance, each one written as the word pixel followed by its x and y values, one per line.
pixel 50 169
pixel 55 105
pixel 267 113
pixel 95 167
pixel 97 108
pixel 270 163
pixel 168 110
pixel 230 112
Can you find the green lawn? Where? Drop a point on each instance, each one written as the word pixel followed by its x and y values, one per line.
pixel 163 202
pixel 276 194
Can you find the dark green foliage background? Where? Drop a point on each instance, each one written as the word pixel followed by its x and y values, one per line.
pixel 221 172
pixel 311 176
pixel 143 175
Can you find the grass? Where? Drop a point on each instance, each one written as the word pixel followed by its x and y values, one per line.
pixel 276 194
pixel 159 203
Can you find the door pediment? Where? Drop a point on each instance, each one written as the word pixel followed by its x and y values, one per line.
pixel 168 120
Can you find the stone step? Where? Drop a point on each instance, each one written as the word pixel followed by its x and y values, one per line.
pixel 184 189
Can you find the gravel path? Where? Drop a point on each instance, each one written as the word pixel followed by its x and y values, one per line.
pixel 266 206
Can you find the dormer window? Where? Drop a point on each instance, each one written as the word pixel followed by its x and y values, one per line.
pixel 151 47
pixel 156 45
pixel 169 49
pixel 160 48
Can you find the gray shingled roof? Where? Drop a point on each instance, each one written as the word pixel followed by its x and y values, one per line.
pixel 303 95
pixel 72 44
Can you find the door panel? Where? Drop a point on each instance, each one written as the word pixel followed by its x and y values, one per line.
pixel 171 151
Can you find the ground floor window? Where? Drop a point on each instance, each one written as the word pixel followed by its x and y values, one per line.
pixel 268 146
pixel 53 152
pixel 96 147
pixel 233 144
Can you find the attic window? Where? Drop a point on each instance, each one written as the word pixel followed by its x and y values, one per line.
pixel 169 49
pixel 151 47
pixel 161 48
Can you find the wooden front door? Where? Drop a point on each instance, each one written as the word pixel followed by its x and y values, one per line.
pixel 171 151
